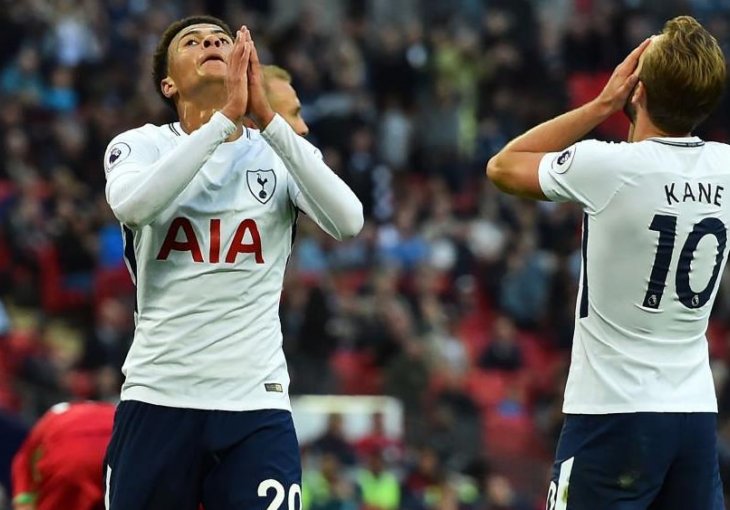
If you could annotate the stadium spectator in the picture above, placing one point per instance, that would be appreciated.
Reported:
(22, 79)
(379, 488)
(333, 441)
(327, 488)
(503, 351)
(421, 479)
(378, 439)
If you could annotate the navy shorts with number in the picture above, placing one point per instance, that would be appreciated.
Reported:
(637, 461)
(165, 458)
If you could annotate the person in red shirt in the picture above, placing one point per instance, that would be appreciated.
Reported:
(378, 440)
(60, 464)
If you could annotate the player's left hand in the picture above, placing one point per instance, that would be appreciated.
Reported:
(621, 83)
(259, 109)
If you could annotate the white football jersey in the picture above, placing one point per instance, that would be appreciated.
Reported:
(208, 267)
(654, 246)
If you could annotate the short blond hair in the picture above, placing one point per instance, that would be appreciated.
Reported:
(272, 72)
(684, 75)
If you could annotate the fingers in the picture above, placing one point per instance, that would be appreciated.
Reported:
(628, 87)
(246, 42)
(254, 56)
(235, 57)
(632, 59)
(254, 69)
(237, 76)
(242, 37)
(636, 52)
(241, 52)
(245, 58)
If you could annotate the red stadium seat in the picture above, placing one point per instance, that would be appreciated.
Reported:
(356, 373)
(472, 331)
(487, 387)
(112, 283)
(510, 435)
(54, 296)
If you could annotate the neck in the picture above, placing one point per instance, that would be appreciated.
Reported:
(643, 128)
(193, 112)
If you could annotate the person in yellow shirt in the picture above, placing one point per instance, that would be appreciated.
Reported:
(379, 487)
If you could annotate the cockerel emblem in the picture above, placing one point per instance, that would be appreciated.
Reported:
(261, 184)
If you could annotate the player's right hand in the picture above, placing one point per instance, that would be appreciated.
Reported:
(237, 78)
(614, 95)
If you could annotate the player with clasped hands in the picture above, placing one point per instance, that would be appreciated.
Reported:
(208, 208)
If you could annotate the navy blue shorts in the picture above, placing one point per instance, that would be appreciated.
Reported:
(637, 461)
(166, 458)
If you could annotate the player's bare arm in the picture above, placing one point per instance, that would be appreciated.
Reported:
(514, 169)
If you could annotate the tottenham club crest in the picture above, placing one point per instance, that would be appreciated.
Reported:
(261, 184)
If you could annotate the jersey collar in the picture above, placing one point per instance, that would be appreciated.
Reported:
(683, 141)
(178, 131)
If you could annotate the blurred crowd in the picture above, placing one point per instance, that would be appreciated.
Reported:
(456, 299)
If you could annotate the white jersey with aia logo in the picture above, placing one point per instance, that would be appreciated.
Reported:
(209, 264)
(654, 247)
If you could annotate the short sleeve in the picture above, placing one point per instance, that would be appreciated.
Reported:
(589, 173)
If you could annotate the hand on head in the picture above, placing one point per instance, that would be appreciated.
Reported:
(621, 84)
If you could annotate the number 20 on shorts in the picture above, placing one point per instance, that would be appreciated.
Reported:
(294, 498)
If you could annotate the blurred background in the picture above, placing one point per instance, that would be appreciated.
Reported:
(452, 312)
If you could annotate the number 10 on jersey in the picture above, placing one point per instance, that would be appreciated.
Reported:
(667, 228)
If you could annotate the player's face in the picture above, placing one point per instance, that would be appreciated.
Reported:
(198, 53)
(284, 101)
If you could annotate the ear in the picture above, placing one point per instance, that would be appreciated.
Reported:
(638, 96)
(168, 87)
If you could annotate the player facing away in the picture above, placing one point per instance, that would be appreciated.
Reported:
(208, 209)
(640, 406)
(59, 464)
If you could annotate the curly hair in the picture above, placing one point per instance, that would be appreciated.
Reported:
(159, 59)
